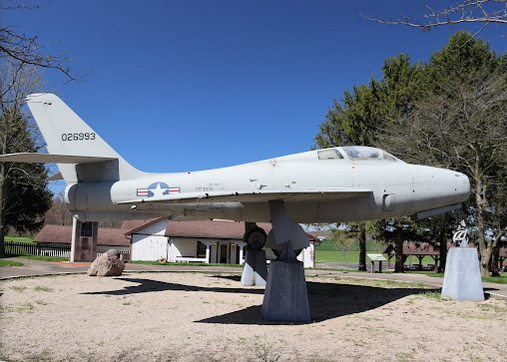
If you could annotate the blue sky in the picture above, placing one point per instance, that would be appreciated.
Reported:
(196, 84)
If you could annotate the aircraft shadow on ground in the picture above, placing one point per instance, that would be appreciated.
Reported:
(327, 300)
(148, 285)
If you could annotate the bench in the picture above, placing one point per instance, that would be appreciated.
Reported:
(190, 259)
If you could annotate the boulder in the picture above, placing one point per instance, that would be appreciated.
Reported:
(109, 264)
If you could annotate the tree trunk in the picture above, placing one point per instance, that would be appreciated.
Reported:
(443, 248)
(398, 266)
(494, 262)
(483, 247)
(2, 210)
(362, 247)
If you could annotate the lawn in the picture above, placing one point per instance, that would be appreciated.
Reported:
(500, 280)
(10, 263)
(328, 252)
(19, 239)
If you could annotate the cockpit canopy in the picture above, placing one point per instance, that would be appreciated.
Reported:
(356, 153)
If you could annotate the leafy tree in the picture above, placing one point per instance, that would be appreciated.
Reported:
(359, 116)
(24, 197)
(343, 239)
(447, 112)
(369, 109)
(461, 124)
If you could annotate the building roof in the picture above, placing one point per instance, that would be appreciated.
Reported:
(133, 226)
(216, 229)
(422, 248)
(416, 248)
(205, 229)
(59, 234)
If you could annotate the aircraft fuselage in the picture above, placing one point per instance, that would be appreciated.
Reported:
(355, 189)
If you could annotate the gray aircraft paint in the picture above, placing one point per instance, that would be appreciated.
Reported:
(337, 184)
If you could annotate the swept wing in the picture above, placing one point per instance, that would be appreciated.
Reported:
(254, 196)
(51, 158)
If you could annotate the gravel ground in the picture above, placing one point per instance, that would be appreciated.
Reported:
(206, 317)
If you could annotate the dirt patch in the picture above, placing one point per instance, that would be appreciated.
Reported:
(205, 317)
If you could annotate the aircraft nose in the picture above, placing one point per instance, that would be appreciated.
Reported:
(436, 187)
(456, 186)
(465, 186)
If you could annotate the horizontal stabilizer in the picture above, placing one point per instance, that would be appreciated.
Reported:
(52, 158)
(252, 196)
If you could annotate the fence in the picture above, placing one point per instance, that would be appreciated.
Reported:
(13, 248)
(46, 249)
(124, 255)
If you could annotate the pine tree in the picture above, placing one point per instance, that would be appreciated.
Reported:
(24, 195)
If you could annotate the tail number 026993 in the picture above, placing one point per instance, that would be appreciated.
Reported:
(82, 136)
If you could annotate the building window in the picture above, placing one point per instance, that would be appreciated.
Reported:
(201, 249)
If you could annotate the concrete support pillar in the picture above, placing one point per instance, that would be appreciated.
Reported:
(208, 251)
(462, 277)
(73, 241)
(241, 246)
(255, 270)
(286, 298)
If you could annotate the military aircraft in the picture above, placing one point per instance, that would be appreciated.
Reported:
(327, 185)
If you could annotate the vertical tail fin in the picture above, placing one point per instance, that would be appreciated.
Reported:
(67, 134)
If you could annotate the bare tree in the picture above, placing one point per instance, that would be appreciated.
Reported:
(59, 213)
(463, 126)
(483, 12)
(22, 49)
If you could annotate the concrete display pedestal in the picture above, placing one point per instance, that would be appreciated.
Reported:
(285, 298)
(462, 278)
(84, 241)
(255, 271)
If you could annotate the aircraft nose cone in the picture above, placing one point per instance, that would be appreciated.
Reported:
(465, 182)
(436, 187)
(459, 187)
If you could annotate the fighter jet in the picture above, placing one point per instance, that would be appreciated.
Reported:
(327, 185)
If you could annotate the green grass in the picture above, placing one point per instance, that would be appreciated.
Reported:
(19, 239)
(6, 263)
(328, 252)
(145, 262)
(500, 280)
(42, 258)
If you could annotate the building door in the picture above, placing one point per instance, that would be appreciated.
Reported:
(223, 254)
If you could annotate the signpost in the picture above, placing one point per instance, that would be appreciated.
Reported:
(376, 257)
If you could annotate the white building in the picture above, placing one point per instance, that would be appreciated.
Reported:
(207, 241)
